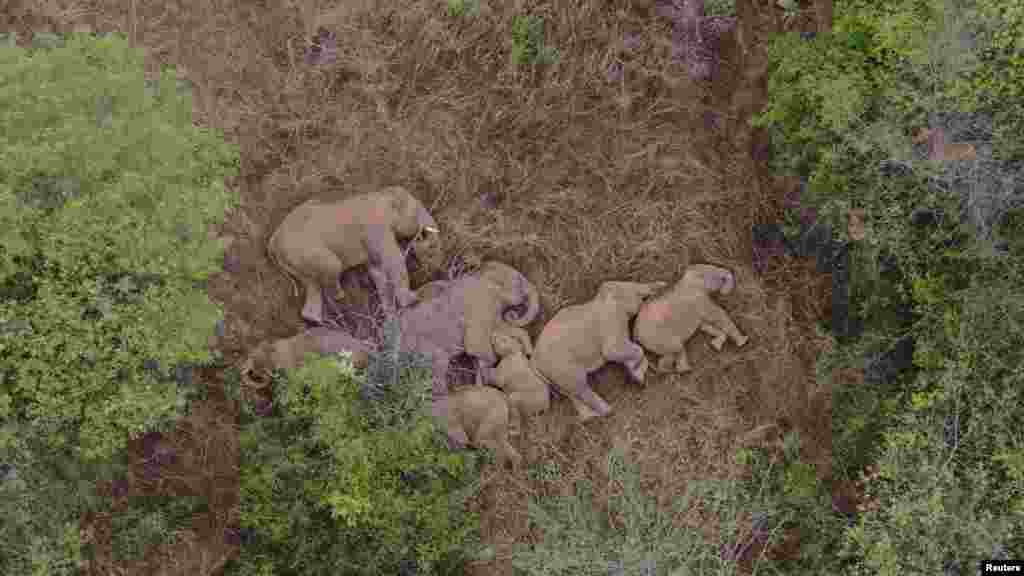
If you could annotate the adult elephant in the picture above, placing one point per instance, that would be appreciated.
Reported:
(317, 241)
(462, 315)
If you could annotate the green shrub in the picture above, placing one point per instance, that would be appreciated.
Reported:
(841, 109)
(463, 8)
(636, 536)
(334, 484)
(720, 8)
(528, 45)
(106, 194)
(105, 199)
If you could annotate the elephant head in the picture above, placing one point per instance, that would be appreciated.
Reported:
(514, 290)
(413, 221)
(629, 295)
(713, 278)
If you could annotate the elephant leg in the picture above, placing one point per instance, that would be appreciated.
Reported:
(719, 318)
(718, 337)
(387, 268)
(325, 270)
(484, 374)
(681, 363)
(630, 355)
(511, 455)
(457, 438)
(583, 411)
(312, 309)
(587, 402)
(515, 415)
(384, 289)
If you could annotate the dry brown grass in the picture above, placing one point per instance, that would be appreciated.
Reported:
(569, 178)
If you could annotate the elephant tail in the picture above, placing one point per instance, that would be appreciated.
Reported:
(288, 272)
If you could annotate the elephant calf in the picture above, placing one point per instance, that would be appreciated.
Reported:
(664, 324)
(478, 416)
(581, 339)
(289, 353)
(528, 393)
(318, 241)
(461, 315)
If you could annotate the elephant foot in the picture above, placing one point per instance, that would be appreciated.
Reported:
(314, 317)
(584, 412)
(406, 298)
(741, 341)
(666, 364)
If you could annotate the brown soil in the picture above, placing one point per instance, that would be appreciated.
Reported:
(570, 178)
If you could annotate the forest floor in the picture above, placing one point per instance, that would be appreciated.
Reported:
(570, 174)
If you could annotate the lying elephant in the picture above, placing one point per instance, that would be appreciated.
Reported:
(581, 339)
(317, 241)
(289, 353)
(479, 416)
(664, 324)
(528, 393)
(463, 314)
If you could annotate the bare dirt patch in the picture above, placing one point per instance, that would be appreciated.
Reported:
(570, 174)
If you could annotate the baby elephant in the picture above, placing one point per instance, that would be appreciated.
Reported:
(664, 324)
(527, 392)
(478, 415)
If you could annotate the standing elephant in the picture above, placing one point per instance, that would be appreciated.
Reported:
(463, 314)
(664, 324)
(581, 339)
(317, 241)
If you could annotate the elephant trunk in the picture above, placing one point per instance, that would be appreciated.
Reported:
(532, 307)
(426, 221)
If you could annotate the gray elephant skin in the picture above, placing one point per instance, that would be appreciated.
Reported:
(664, 324)
(317, 241)
(581, 339)
(461, 315)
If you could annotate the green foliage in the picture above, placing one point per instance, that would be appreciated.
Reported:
(42, 494)
(151, 520)
(106, 194)
(336, 485)
(947, 435)
(637, 536)
(463, 8)
(720, 8)
(528, 45)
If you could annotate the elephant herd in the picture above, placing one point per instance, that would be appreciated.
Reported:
(482, 315)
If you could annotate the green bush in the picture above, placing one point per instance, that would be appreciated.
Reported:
(335, 484)
(636, 536)
(842, 112)
(528, 45)
(106, 194)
